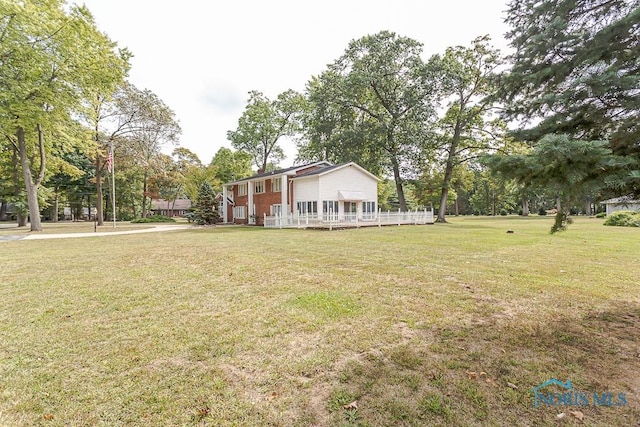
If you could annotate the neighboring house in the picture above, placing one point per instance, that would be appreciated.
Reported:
(8, 211)
(625, 203)
(320, 190)
(179, 207)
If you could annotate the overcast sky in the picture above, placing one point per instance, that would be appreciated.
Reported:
(202, 57)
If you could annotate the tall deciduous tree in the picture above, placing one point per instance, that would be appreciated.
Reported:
(468, 128)
(52, 55)
(264, 123)
(373, 105)
(154, 126)
(192, 172)
(576, 71)
(231, 165)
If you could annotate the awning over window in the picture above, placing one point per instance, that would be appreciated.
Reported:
(351, 195)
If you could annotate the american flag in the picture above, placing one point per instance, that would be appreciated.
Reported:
(110, 161)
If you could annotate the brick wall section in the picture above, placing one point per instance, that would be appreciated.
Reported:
(240, 201)
(262, 201)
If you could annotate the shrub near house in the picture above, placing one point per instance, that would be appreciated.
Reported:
(624, 219)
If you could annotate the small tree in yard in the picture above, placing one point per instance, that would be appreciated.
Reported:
(205, 212)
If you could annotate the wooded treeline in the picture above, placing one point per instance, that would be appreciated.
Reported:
(553, 124)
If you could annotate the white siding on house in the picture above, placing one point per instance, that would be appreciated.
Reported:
(305, 189)
(348, 178)
(613, 207)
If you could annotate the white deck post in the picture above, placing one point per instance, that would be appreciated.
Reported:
(224, 203)
(284, 194)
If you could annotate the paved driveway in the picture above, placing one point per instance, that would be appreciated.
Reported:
(38, 236)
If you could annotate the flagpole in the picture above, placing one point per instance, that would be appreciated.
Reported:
(113, 187)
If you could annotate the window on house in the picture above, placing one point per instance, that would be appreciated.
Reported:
(242, 189)
(330, 210)
(239, 212)
(368, 210)
(276, 185)
(258, 187)
(276, 210)
(307, 208)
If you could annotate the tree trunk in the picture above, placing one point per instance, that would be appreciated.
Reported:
(457, 207)
(31, 185)
(448, 171)
(100, 201)
(587, 207)
(494, 202)
(144, 195)
(54, 217)
(525, 206)
(442, 209)
(21, 218)
(3, 211)
(398, 181)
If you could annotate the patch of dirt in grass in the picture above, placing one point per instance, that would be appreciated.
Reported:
(319, 397)
(244, 381)
(483, 371)
(404, 330)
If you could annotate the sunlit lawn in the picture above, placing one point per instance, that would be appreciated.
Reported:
(448, 324)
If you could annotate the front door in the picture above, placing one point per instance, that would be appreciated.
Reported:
(350, 211)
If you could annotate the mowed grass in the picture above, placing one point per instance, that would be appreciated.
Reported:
(449, 324)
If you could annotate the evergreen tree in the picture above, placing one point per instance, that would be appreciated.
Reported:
(561, 164)
(205, 209)
(576, 71)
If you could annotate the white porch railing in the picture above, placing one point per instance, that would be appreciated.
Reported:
(349, 220)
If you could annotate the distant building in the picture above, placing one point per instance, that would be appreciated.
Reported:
(625, 203)
(170, 208)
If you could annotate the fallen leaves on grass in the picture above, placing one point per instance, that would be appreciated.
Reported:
(491, 382)
(579, 415)
(352, 405)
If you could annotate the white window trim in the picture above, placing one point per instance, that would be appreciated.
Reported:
(239, 212)
(276, 185)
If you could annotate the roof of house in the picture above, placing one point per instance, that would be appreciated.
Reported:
(277, 172)
(180, 204)
(620, 201)
(323, 171)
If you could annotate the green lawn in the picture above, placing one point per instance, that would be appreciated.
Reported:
(446, 324)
